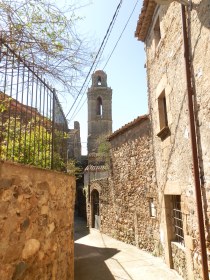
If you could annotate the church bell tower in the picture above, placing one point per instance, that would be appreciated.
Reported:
(99, 97)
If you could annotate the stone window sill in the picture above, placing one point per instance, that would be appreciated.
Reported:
(153, 217)
(164, 133)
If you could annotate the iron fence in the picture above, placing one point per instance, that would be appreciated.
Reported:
(33, 127)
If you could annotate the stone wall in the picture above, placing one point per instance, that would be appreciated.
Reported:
(179, 257)
(125, 196)
(36, 223)
(173, 164)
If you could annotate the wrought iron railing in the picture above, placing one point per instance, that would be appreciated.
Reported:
(33, 127)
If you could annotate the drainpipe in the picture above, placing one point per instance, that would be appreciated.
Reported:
(198, 192)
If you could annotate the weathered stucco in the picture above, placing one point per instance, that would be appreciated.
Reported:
(36, 223)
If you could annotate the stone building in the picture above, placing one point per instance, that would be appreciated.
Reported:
(160, 27)
(123, 203)
(129, 202)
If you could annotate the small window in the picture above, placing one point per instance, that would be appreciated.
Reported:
(157, 33)
(177, 219)
(163, 117)
(99, 108)
(152, 208)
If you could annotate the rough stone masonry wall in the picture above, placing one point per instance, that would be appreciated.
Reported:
(179, 257)
(125, 213)
(166, 71)
(36, 223)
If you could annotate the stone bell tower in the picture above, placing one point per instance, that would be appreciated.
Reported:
(99, 97)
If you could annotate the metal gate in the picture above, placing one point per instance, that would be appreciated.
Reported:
(33, 127)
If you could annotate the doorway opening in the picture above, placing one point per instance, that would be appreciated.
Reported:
(95, 209)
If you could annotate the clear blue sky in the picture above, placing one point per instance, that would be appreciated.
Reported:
(126, 74)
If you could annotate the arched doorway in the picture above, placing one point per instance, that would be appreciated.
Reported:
(95, 209)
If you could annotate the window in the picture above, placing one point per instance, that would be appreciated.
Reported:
(163, 118)
(177, 219)
(152, 208)
(157, 33)
(99, 109)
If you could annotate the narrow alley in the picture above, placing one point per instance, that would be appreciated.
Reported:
(99, 257)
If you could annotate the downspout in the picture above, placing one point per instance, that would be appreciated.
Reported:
(198, 194)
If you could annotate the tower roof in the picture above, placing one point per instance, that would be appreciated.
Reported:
(99, 79)
(99, 72)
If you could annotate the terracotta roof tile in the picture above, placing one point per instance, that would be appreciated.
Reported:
(128, 126)
(145, 19)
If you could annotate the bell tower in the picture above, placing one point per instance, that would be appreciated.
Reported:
(99, 97)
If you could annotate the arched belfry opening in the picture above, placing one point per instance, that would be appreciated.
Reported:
(99, 107)
(99, 80)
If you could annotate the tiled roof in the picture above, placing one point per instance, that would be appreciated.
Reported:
(96, 168)
(128, 126)
(145, 19)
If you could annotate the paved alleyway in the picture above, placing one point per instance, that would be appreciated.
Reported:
(99, 257)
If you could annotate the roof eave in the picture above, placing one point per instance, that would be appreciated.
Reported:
(145, 19)
(128, 126)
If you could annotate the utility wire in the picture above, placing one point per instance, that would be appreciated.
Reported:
(121, 34)
(75, 113)
(104, 39)
(101, 52)
(117, 12)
